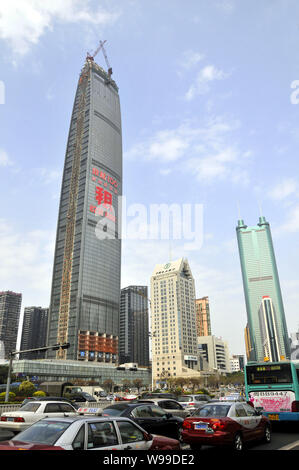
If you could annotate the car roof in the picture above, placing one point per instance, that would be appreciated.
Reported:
(71, 419)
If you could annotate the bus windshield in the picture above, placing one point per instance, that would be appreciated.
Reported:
(269, 374)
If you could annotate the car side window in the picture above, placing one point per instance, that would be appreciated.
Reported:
(129, 432)
(250, 411)
(101, 434)
(142, 412)
(78, 442)
(66, 408)
(240, 411)
(170, 405)
(52, 408)
(157, 412)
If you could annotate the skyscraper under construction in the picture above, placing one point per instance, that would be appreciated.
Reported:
(84, 307)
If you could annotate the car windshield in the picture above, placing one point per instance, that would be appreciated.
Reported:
(185, 399)
(114, 411)
(201, 398)
(31, 406)
(43, 432)
(213, 410)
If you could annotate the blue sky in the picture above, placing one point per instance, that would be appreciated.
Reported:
(207, 118)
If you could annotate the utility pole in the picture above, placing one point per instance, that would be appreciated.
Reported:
(12, 354)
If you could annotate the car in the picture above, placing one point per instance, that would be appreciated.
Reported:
(146, 395)
(149, 416)
(191, 401)
(33, 411)
(88, 433)
(168, 405)
(82, 397)
(66, 400)
(225, 424)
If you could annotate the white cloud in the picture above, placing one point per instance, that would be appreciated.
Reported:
(285, 188)
(208, 150)
(26, 260)
(291, 225)
(4, 158)
(22, 23)
(190, 59)
(205, 76)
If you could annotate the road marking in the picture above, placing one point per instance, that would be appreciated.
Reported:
(290, 446)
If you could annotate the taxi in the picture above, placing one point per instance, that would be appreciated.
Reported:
(225, 423)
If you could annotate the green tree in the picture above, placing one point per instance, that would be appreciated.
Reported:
(26, 388)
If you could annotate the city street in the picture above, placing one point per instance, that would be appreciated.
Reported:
(284, 437)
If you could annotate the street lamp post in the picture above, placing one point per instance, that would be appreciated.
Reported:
(12, 354)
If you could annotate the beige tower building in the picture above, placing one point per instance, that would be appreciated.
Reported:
(173, 322)
(203, 323)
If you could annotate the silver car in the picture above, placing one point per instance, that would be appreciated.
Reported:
(88, 433)
(169, 405)
(190, 402)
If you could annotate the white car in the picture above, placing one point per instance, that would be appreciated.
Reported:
(33, 411)
(88, 433)
(193, 401)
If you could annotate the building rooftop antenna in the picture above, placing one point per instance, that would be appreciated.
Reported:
(92, 56)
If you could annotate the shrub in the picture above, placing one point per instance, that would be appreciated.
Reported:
(39, 393)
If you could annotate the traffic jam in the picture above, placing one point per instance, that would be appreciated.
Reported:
(151, 423)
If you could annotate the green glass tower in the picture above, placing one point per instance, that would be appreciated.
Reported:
(260, 279)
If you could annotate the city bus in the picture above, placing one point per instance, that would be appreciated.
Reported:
(273, 389)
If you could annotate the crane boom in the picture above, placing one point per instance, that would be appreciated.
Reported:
(101, 46)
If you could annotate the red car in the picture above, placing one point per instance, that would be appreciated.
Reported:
(225, 423)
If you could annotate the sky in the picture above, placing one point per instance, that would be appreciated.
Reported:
(209, 119)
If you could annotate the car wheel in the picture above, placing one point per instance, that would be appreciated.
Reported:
(267, 435)
(238, 442)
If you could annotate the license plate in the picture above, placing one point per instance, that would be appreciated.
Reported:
(273, 417)
(201, 426)
(9, 419)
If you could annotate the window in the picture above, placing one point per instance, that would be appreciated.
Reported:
(101, 434)
(78, 443)
(250, 411)
(129, 432)
(170, 405)
(157, 412)
(240, 411)
(142, 412)
(31, 407)
(66, 408)
(52, 408)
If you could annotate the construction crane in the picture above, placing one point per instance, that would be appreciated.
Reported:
(92, 56)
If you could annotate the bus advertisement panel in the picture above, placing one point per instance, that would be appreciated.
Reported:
(273, 389)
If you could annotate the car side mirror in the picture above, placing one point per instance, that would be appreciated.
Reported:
(147, 437)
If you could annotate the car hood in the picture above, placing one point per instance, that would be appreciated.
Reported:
(19, 445)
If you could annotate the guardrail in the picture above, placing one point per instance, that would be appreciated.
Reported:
(98, 404)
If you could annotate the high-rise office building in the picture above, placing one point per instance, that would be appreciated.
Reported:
(173, 322)
(84, 306)
(34, 331)
(203, 321)
(134, 325)
(10, 308)
(260, 279)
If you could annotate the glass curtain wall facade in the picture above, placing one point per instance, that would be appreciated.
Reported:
(84, 307)
(260, 279)
(134, 326)
(10, 309)
(34, 331)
